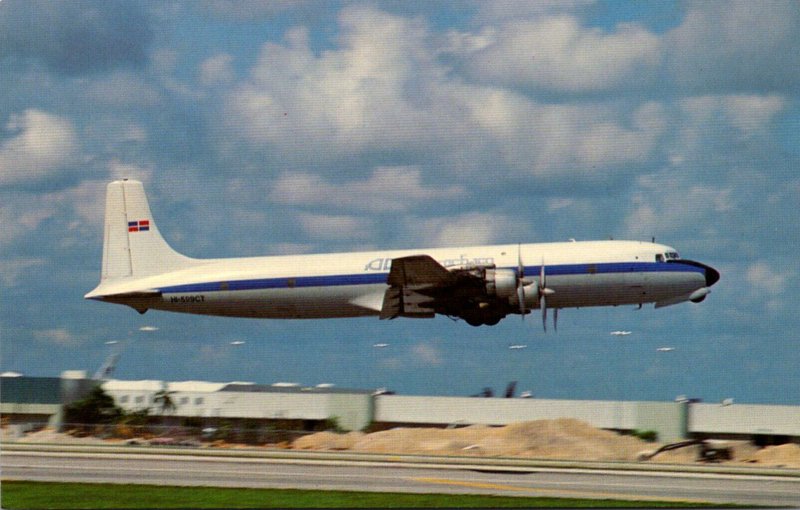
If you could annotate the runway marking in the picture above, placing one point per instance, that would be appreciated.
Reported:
(554, 492)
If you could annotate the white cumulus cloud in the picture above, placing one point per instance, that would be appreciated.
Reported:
(41, 145)
(323, 226)
(61, 337)
(426, 354)
(217, 70)
(388, 189)
(13, 269)
(736, 45)
(559, 54)
(474, 228)
(762, 276)
(386, 88)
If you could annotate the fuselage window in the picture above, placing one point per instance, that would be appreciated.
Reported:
(659, 257)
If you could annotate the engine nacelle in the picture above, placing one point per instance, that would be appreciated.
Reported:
(501, 283)
(531, 295)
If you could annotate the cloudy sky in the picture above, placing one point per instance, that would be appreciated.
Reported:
(284, 127)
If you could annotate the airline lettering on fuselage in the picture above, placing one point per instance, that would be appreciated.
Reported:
(385, 264)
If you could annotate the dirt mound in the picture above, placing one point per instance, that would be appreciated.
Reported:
(785, 455)
(545, 439)
(562, 439)
(50, 436)
(328, 441)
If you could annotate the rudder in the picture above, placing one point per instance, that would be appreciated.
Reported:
(132, 244)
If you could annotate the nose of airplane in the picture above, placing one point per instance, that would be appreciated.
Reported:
(712, 275)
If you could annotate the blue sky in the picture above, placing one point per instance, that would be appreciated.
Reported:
(284, 127)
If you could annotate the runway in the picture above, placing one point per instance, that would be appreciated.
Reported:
(319, 474)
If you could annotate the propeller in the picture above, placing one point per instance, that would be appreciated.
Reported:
(523, 308)
(523, 284)
(543, 293)
(541, 289)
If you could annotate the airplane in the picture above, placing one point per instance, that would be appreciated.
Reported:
(380, 345)
(517, 346)
(665, 349)
(479, 284)
(237, 342)
(620, 333)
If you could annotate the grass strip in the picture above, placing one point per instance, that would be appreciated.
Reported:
(55, 495)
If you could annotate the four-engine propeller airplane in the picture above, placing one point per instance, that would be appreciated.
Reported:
(479, 284)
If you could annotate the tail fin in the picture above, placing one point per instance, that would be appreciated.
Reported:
(132, 245)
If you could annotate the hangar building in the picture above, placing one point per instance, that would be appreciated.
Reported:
(41, 399)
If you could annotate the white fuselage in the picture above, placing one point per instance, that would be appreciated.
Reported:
(481, 284)
(581, 274)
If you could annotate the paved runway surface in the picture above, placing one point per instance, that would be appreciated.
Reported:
(394, 477)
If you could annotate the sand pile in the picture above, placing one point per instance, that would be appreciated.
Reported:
(566, 439)
(50, 436)
(544, 439)
(785, 455)
(328, 441)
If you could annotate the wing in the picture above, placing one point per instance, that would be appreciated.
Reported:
(419, 270)
(413, 281)
(421, 287)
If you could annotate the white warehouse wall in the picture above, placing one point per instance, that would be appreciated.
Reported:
(666, 418)
(501, 411)
(749, 419)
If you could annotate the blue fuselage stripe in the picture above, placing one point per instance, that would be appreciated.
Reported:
(380, 278)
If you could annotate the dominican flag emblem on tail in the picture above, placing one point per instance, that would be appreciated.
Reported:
(139, 226)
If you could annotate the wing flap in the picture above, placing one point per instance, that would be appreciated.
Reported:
(411, 280)
(392, 303)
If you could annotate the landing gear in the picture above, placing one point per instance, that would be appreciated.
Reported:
(482, 319)
(474, 321)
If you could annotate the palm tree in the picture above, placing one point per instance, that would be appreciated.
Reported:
(164, 398)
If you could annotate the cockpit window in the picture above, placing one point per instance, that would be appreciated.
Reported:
(672, 255)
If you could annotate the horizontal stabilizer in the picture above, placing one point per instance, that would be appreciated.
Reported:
(128, 295)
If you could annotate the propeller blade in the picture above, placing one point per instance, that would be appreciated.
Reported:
(543, 306)
(555, 319)
(542, 283)
(521, 283)
(542, 294)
